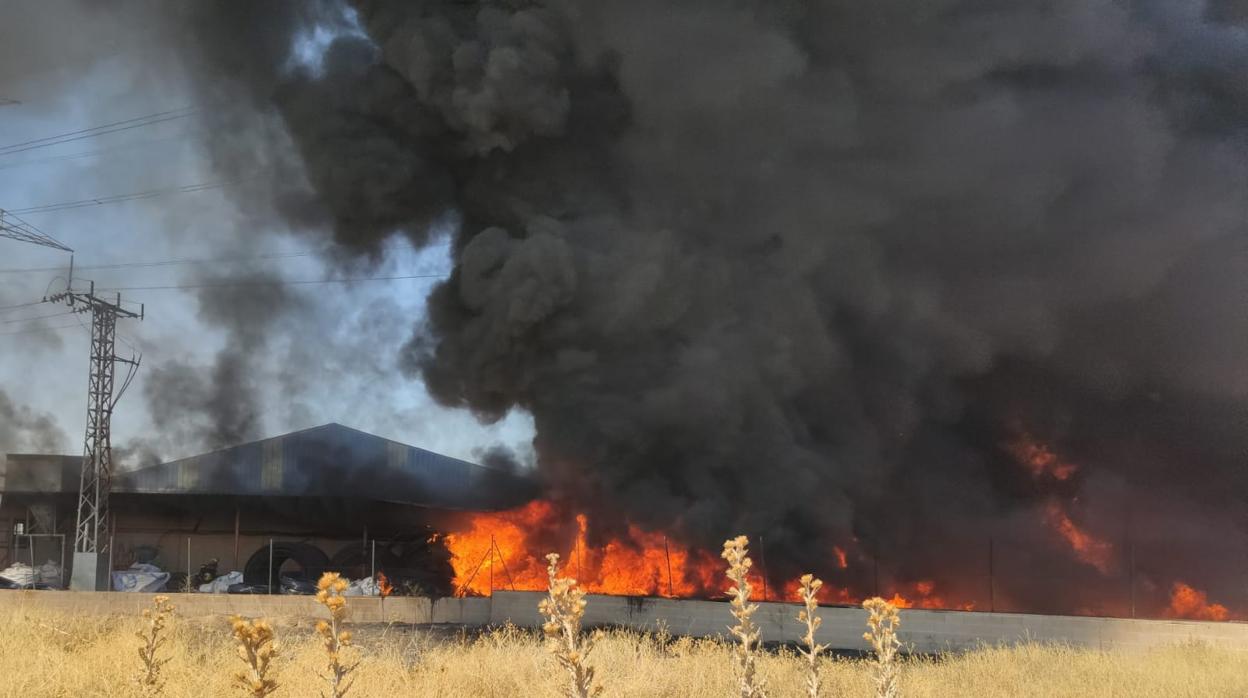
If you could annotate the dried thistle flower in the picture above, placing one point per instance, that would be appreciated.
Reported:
(329, 593)
(812, 649)
(563, 609)
(739, 563)
(882, 627)
(157, 616)
(257, 648)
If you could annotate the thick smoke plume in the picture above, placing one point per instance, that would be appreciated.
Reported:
(795, 268)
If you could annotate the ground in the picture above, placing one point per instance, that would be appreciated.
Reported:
(57, 655)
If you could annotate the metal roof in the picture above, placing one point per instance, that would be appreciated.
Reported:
(326, 461)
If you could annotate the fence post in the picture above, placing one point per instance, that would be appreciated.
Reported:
(762, 554)
(668, 555)
(373, 561)
(875, 572)
(270, 565)
(1131, 573)
(992, 586)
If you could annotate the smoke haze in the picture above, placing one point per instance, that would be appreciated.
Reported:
(796, 268)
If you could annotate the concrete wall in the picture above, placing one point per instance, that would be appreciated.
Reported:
(842, 628)
(922, 631)
(469, 611)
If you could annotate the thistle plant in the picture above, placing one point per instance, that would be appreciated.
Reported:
(812, 649)
(563, 609)
(257, 648)
(739, 563)
(882, 627)
(329, 593)
(155, 618)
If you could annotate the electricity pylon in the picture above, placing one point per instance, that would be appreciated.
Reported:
(91, 536)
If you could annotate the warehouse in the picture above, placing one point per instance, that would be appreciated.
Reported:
(329, 497)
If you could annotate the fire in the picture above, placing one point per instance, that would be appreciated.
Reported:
(1089, 549)
(840, 557)
(828, 594)
(922, 594)
(1193, 604)
(505, 550)
(383, 585)
(1040, 460)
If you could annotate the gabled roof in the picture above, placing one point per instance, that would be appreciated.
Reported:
(329, 461)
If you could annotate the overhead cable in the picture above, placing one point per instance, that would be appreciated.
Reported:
(97, 151)
(29, 330)
(165, 262)
(294, 282)
(103, 129)
(37, 317)
(100, 201)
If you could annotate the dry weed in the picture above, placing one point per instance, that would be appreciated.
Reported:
(882, 627)
(155, 618)
(808, 615)
(256, 647)
(563, 609)
(329, 593)
(746, 632)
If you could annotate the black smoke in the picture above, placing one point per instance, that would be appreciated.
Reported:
(791, 268)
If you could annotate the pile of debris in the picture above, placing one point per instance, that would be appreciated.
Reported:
(19, 575)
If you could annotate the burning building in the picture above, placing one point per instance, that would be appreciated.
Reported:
(938, 300)
(328, 498)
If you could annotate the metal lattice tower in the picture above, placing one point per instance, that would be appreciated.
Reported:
(91, 534)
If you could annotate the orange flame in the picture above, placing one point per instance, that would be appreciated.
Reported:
(383, 585)
(922, 594)
(840, 557)
(1188, 602)
(1089, 549)
(500, 548)
(1040, 460)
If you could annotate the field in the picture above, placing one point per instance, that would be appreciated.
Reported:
(51, 655)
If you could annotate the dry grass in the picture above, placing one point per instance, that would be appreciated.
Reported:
(563, 608)
(257, 646)
(749, 684)
(81, 656)
(809, 616)
(882, 624)
(330, 593)
(154, 620)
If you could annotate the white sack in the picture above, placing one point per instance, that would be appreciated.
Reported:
(221, 584)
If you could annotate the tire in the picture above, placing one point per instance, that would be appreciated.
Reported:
(309, 557)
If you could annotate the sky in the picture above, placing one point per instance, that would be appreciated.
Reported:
(44, 350)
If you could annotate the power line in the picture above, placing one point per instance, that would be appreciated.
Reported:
(165, 262)
(36, 317)
(13, 227)
(55, 328)
(118, 198)
(297, 282)
(98, 151)
(22, 305)
(103, 129)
